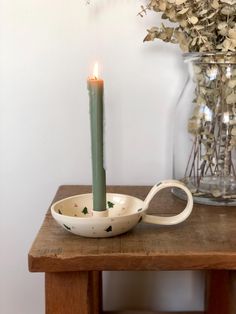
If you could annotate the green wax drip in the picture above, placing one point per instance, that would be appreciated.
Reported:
(96, 124)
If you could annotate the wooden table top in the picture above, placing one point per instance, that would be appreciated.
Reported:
(206, 240)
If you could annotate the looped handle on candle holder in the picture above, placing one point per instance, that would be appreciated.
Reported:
(173, 219)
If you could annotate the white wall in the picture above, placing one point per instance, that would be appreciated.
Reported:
(47, 49)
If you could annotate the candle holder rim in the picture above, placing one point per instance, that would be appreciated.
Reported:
(86, 218)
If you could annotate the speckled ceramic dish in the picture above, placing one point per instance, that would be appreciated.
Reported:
(75, 213)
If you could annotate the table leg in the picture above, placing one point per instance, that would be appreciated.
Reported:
(232, 303)
(221, 292)
(73, 292)
(217, 292)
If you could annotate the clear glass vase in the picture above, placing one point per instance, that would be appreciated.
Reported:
(205, 129)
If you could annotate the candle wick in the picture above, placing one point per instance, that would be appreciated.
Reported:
(95, 78)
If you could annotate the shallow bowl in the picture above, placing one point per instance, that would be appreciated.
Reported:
(123, 212)
(75, 214)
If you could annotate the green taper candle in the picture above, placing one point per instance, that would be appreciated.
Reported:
(95, 87)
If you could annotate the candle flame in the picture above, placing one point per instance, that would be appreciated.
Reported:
(95, 71)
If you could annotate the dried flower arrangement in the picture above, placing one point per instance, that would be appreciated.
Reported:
(207, 27)
(201, 25)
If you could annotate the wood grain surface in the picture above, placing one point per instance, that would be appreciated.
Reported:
(72, 292)
(206, 240)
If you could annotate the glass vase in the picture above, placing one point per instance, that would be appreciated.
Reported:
(205, 129)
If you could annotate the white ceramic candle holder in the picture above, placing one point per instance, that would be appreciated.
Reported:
(75, 213)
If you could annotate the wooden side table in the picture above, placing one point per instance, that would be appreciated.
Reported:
(73, 265)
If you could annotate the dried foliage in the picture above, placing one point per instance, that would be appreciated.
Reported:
(207, 28)
(199, 25)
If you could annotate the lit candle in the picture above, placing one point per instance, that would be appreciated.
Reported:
(95, 87)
